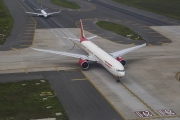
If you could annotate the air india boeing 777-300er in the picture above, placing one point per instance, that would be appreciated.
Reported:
(113, 62)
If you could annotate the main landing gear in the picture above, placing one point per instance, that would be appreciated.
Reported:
(118, 79)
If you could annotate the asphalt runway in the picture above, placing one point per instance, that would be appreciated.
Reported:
(79, 98)
(137, 20)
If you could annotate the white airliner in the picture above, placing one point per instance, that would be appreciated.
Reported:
(110, 61)
(43, 13)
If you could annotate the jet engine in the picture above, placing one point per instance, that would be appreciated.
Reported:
(84, 64)
(121, 60)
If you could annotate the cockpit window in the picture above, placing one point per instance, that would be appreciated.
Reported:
(120, 70)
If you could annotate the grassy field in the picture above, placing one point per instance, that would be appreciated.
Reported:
(170, 8)
(24, 101)
(6, 22)
(119, 29)
(66, 4)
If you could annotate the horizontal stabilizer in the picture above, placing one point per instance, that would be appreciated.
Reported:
(54, 12)
(72, 38)
(89, 38)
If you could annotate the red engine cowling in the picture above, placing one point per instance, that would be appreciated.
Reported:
(84, 64)
(121, 60)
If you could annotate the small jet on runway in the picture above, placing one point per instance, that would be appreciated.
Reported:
(43, 13)
(110, 61)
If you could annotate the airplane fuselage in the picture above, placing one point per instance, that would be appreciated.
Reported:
(105, 59)
(44, 13)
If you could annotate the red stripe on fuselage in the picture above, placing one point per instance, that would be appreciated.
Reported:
(83, 39)
(108, 64)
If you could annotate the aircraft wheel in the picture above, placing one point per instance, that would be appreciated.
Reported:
(118, 80)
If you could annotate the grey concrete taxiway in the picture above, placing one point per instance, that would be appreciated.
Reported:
(149, 86)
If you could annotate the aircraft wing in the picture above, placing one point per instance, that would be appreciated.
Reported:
(34, 13)
(125, 51)
(85, 57)
(54, 12)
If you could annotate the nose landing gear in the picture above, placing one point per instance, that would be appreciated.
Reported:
(118, 79)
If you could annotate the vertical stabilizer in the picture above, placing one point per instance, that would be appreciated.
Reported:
(82, 30)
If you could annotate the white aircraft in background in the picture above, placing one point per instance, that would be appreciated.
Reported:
(110, 61)
(43, 13)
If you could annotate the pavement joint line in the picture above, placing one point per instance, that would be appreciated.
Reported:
(136, 24)
(26, 36)
(25, 45)
(29, 24)
(71, 70)
(144, 26)
(102, 95)
(147, 29)
(56, 68)
(29, 27)
(117, 41)
(72, 47)
(80, 79)
(26, 40)
(29, 30)
(129, 22)
(152, 32)
(28, 33)
(99, 34)
(130, 91)
(25, 69)
(91, 30)
(158, 36)
(108, 37)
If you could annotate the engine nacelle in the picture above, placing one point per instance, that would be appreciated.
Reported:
(121, 60)
(84, 64)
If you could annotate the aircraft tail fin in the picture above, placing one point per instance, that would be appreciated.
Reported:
(82, 30)
(82, 38)
(72, 38)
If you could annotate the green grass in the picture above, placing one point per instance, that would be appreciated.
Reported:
(119, 29)
(169, 8)
(23, 102)
(6, 22)
(66, 4)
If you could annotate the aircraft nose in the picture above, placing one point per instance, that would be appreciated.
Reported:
(123, 73)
